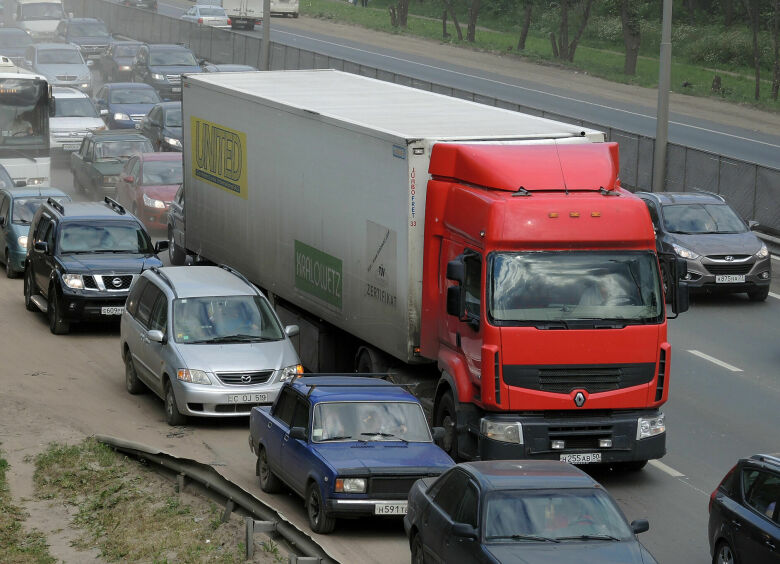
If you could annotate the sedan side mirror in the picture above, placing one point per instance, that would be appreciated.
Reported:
(292, 330)
(156, 336)
(298, 433)
(640, 526)
(464, 530)
(160, 246)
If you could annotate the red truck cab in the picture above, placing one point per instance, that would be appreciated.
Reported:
(543, 305)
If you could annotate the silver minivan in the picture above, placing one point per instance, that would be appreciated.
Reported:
(206, 341)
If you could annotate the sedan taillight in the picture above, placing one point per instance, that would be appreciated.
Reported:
(200, 20)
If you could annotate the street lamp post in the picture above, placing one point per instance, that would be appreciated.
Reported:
(664, 84)
(265, 47)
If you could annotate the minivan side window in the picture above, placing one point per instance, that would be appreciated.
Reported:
(135, 295)
(159, 318)
(146, 303)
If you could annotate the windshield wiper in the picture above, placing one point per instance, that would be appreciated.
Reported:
(239, 338)
(523, 537)
(341, 438)
(386, 435)
(557, 324)
(590, 537)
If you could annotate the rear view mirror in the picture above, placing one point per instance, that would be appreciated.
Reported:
(2, 221)
(41, 246)
(438, 434)
(455, 302)
(464, 530)
(640, 526)
(752, 224)
(103, 112)
(129, 179)
(681, 296)
(160, 246)
(156, 336)
(292, 330)
(298, 433)
(456, 270)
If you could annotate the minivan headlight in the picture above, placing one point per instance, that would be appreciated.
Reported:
(504, 431)
(650, 426)
(763, 252)
(193, 376)
(683, 252)
(22, 240)
(291, 372)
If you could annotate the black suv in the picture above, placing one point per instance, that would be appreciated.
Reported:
(744, 524)
(90, 34)
(161, 66)
(82, 260)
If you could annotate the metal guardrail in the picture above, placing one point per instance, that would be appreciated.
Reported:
(751, 189)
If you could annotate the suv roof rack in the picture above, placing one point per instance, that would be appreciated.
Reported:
(164, 278)
(718, 196)
(232, 270)
(56, 205)
(114, 205)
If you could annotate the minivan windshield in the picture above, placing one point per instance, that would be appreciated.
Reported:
(369, 421)
(224, 319)
(702, 218)
(25, 208)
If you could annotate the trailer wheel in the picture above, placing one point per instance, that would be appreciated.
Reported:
(444, 416)
(370, 361)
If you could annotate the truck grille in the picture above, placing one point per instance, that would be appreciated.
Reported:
(562, 379)
(244, 378)
(580, 436)
(728, 268)
(393, 487)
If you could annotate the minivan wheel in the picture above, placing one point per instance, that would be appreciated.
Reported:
(724, 554)
(29, 290)
(132, 383)
(172, 415)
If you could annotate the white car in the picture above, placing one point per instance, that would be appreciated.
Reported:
(74, 117)
(207, 15)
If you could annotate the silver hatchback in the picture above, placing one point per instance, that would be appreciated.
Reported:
(206, 341)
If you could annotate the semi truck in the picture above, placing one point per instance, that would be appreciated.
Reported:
(488, 257)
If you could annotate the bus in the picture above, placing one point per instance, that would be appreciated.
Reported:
(25, 106)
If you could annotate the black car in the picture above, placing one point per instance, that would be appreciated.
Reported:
(13, 42)
(82, 259)
(722, 253)
(148, 4)
(744, 526)
(522, 511)
(116, 64)
(90, 34)
(162, 125)
(161, 66)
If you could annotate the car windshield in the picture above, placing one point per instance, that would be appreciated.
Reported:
(369, 421)
(702, 218)
(162, 172)
(224, 319)
(211, 11)
(560, 287)
(560, 515)
(14, 38)
(59, 57)
(42, 11)
(172, 58)
(133, 96)
(88, 29)
(74, 107)
(25, 208)
(108, 237)
(5, 179)
(121, 149)
(126, 50)
(173, 118)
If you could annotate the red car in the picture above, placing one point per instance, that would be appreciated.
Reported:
(147, 186)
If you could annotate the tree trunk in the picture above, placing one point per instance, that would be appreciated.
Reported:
(554, 45)
(563, 32)
(776, 49)
(453, 15)
(690, 5)
(444, 33)
(752, 7)
(629, 15)
(585, 16)
(527, 8)
(471, 32)
(403, 12)
(728, 12)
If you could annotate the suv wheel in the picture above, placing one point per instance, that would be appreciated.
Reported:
(57, 324)
(177, 256)
(132, 383)
(29, 289)
(724, 554)
(172, 415)
(759, 295)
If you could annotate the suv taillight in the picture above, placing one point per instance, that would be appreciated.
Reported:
(200, 20)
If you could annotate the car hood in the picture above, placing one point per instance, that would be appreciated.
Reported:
(50, 71)
(19, 229)
(74, 123)
(603, 552)
(719, 243)
(238, 357)
(109, 168)
(174, 69)
(90, 40)
(108, 263)
(14, 52)
(376, 455)
(164, 192)
(130, 108)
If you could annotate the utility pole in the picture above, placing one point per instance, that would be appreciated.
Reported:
(265, 47)
(9, 13)
(664, 84)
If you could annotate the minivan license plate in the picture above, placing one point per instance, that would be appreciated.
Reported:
(582, 458)
(390, 508)
(729, 278)
(112, 310)
(247, 398)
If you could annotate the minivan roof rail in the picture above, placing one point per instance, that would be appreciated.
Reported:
(241, 276)
(164, 278)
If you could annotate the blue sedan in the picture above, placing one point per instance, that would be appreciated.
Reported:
(17, 208)
(124, 104)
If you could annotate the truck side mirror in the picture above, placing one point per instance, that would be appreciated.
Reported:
(52, 107)
(456, 302)
(438, 434)
(680, 291)
(456, 270)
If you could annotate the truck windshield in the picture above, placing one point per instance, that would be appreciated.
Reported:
(533, 287)
(224, 319)
(369, 421)
(23, 112)
(42, 11)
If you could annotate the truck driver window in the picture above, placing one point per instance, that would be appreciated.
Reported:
(472, 284)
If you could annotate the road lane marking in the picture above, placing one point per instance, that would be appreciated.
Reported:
(775, 296)
(714, 360)
(667, 469)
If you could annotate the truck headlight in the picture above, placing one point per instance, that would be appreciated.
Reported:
(291, 372)
(350, 485)
(763, 252)
(650, 426)
(152, 203)
(504, 431)
(172, 141)
(22, 240)
(193, 376)
(119, 116)
(156, 76)
(683, 252)
(73, 281)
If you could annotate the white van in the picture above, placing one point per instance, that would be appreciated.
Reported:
(39, 17)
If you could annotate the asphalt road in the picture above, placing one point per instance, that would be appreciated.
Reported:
(718, 132)
(721, 408)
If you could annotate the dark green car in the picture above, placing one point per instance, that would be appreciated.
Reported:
(101, 157)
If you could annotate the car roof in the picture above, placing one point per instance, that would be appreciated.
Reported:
(166, 46)
(116, 135)
(666, 198)
(26, 192)
(47, 46)
(15, 30)
(128, 85)
(199, 281)
(66, 92)
(139, 43)
(162, 156)
(91, 210)
(528, 474)
(350, 388)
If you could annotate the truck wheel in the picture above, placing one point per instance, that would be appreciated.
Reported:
(759, 295)
(132, 383)
(57, 325)
(269, 483)
(172, 415)
(444, 416)
(176, 255)
(295, 15)
(370, 361)
(319, 520)
(29, 289)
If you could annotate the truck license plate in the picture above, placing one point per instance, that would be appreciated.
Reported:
(729, 278)
(247, 398)
(582, 458)
(112, 310)
(390, 508)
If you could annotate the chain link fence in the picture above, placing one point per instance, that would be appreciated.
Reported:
(751, 189)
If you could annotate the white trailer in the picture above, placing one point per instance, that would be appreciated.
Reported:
(312, 183)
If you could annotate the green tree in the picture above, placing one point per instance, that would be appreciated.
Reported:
(562, 48)
(632, 36)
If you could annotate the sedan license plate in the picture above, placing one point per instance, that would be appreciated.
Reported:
(390, 508)
(247, 398)
(729, 278)
(71, 146)
(112, 310)
(583, 458)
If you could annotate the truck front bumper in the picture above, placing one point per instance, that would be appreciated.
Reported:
(585, 434)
